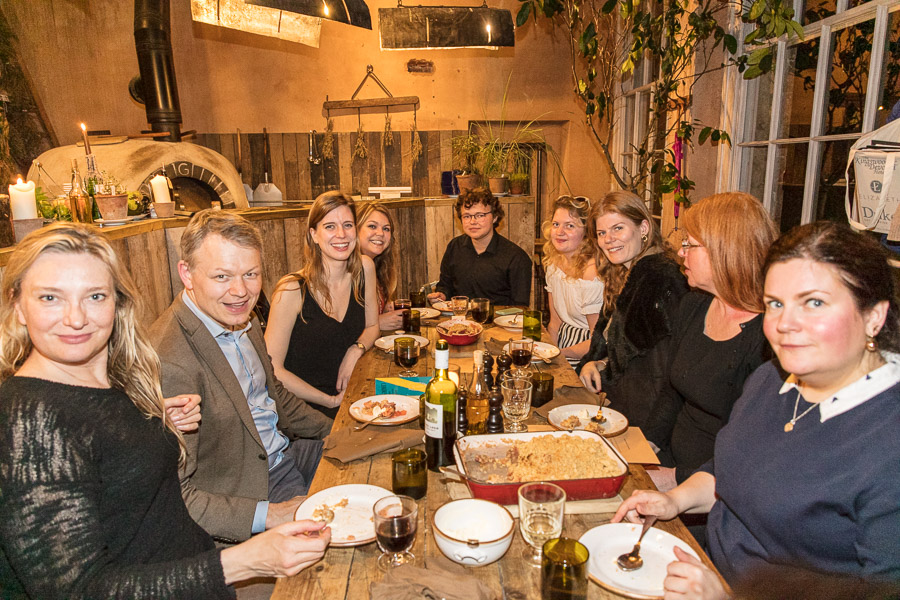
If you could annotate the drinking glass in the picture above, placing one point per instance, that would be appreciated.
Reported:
(564, 570)
(396, 519)
(418, 299)
(543, 388)
(541, 506)
(412, 322)
(409, 475)
(460, 306)
(516, 402)
(481, 310)
(402, 303)
(406, 355)
(531, 324)
(521, 351)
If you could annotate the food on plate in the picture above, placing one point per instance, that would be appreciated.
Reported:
(595, 427)
(541, 458)
(572, 422)
(583, 419)
(382, 408)
(325, 512)
(459, 328)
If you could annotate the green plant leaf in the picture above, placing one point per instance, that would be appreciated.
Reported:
(730, 43)
(524, 13)
(704, 133)
(608, 7)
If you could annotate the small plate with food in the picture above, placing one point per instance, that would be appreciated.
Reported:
(348, 511)
(386, 409)
(386, 343)
(511, 323)
(443, 306)
(459, 333)
(541, 351)
(428, 313)
(578, 416)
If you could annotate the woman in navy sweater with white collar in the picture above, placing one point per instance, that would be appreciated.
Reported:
(806, 474)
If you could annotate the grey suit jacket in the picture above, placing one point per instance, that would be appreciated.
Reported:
(226, 472)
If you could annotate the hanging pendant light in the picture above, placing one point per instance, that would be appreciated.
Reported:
(435, 27)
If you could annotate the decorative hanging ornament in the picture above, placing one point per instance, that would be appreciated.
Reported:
(416, 149)
(360, 150)
(388, 134)
(328, 142)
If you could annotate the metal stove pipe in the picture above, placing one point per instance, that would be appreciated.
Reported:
(154, 52)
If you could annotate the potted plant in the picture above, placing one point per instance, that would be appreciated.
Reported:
(518, 183)
(495, 162)
(466, 153)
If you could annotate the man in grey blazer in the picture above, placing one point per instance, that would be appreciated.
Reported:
(257, 446)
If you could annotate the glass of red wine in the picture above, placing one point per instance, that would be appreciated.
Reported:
(402, 303)
(521, 351)
(396, 519)
(406, 355)
(481, 310)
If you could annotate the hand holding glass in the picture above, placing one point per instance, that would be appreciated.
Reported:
(541, 507)
(396, 520)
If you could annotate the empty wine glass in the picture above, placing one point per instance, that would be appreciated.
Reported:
(460, 306)
(541, 508)
(396, 520)
(516, 402)
(406, 355)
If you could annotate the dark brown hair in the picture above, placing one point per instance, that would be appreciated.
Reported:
(860, 261)
(480, 195)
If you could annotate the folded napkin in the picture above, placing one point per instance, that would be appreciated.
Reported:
(568, 395)
(441, 579)
(347, 445)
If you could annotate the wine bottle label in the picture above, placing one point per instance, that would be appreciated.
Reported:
(434, 420)
(441, 359)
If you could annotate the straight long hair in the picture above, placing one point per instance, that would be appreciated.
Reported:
(736, 231)
(311, 276)
(578, 209)
(132, 363)
(632, 208)
(385, 266)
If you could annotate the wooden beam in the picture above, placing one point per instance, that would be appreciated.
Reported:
(371, 102)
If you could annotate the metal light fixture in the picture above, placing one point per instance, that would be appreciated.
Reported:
(407, 27)
(351, 12)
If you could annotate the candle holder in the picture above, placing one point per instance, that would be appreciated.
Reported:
(22, 227)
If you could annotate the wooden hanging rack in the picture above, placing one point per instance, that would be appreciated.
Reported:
(390, 100)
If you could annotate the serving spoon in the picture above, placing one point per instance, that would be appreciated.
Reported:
(632, 561)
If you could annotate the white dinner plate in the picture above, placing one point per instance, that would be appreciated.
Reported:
(428, 313)
(541, 351)
(615, 423)
(386, 343)
(607, 542)
(352, 505)
(443, 306)
(108, 222)
(409, 404)
(510, 322)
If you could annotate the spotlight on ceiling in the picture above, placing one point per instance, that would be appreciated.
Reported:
(435, 27)
(351, 12)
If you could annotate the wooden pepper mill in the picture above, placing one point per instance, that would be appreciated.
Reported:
(495, 411)
(489, 368)
(462, 422)
(504, 363)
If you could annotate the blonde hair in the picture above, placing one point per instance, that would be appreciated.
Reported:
(312, 276)
(385, 267)
(578, 209)
(736, 231)
(230, 226)
(132, 365)
(632, 208)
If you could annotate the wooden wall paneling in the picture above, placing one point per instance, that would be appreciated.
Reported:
(405, 141)
(227, 143)
(399, 242)
(331, 168)
(420, 168)
(173, 251)
(246, 160)
(291, 187)
(212, 142)
(418, 261)
(439, 230)
(343, 151)
(446, 151)
(359, 175)
(434, 164)
(275, 263)
(316, 172)
(503, 227)
(375, 159)
(392, 162)
(294, 236)
(304, 176)
(146, 257)
(276, 151)
(521, 232)
(257, 144)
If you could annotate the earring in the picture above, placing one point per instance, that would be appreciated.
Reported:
(871, 344)
(644, 237)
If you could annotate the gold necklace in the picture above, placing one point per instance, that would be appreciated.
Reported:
(789, 426)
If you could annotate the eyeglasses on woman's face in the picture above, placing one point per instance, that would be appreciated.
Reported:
(475, 216)
(686, 246)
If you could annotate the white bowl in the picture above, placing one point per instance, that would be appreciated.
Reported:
(473, 531)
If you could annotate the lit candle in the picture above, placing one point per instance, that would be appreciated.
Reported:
(159, 185)
(87, 145)
(22, 200)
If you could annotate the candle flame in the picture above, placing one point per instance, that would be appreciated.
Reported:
(325, 6)
(83, 128)
(19, 181)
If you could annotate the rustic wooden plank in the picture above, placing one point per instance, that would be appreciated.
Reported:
(291, 171)
(257, 158)
(446, 150)
(316, 172)
(294, 235)
(330, 168)
(420, 168)
(439, 230)
(434, 164)
(343, 151)
(276, 152)
(227, 143)
(173, 248)
(371, 102)
(405, 139)
(304, 176)
(376, 175)
(418, 265)
(359, 168)
(275, 263)
(146, 257)
(392, 163)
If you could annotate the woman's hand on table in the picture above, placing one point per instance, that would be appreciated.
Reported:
(353, 354)
(646, 502)
(590, 375)
(280, 552)
(390, 320)
(689, 579)
(184, 410)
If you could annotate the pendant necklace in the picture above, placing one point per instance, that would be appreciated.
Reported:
(789, 426)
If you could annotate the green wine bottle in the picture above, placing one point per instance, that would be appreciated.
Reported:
(440, 411)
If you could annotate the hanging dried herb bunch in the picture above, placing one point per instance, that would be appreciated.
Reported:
(328, 142)
(388, 138)
(360, 150)
(416, 149)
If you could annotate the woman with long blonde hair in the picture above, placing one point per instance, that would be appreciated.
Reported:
(376, 240)
(643, 286)
(91, 504)
(574, 289)
(325, 316)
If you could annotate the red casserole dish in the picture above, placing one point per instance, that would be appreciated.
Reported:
(506, 493)
(459, 340)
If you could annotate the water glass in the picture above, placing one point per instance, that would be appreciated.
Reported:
(409, 476)
(418, 299)
(541, 507)
(406, 355)
(396, 520)
(564, 569)
(460, 306)
(531, 324)
(412, 323)
(516, 402)
(542, 393)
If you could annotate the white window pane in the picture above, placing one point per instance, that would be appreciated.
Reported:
(754, 176)
(816, 10)
(759, 115)
(799, 87)
(832, 185)
(845, 98)
(790, 175)
(890, 78)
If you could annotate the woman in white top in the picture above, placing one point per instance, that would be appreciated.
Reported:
(574, 289)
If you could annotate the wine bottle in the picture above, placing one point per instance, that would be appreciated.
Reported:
(78, 202)
(440, 411)
(477, 401)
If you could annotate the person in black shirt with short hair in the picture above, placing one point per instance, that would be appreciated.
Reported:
(481, 263)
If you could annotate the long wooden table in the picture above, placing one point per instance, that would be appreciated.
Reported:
(347, 572)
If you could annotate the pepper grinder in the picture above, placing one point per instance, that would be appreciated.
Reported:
(462, 421)
(504, 363)
(495, 411)
(489, 368)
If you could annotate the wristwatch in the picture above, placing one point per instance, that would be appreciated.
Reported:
(361, 346)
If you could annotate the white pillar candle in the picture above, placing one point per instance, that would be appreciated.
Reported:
(22, 200)
(160, 187)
